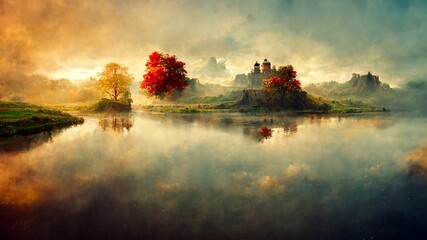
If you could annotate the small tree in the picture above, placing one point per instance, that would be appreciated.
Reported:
(164, 75)
(127, 98)
(115, 81)
(285, 83)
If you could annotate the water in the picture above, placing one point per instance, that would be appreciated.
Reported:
(213, 176)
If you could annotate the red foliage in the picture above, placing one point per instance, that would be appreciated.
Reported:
(164, 75)
(266, 132)
(286, 82)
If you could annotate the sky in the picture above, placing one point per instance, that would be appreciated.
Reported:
(325, 40)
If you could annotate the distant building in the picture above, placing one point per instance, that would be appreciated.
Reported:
(266, 66)
(258, 74)
(256, 68)
(255, 78)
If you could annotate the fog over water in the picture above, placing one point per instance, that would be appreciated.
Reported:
(211, 176)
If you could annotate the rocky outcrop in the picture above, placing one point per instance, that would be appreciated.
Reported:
(262, 98)
(253, 97)
(364, 84)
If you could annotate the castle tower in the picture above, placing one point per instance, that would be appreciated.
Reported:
(256, 68)
(266, 66)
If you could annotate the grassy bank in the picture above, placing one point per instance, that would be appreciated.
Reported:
(352, 106)
(180, 108)
(230, 107)
(21, 118)
(107, 105)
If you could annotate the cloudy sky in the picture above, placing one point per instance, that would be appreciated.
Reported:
(325, 39)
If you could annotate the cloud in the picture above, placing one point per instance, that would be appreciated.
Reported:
(213, 68)
(381, 36)
(325, 40)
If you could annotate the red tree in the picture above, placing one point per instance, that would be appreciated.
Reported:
(285, 83)
(164, 75)
(266, 132)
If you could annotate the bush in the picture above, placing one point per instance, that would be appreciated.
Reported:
(107, 105)
(325, 107)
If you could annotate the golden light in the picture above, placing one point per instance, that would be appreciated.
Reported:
(78, 73)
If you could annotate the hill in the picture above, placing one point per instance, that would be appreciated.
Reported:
(359, 86)
(367, 88)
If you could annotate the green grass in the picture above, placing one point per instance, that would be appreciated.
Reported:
(345, 105)
(21, 118)
(228, 97)
(227, 103)
(320, 107)
(352, 106)
(107, 105)
(180, 108)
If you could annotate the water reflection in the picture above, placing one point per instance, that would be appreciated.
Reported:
(116, 123)
(280, 127)
(27, 142)
(290, 126)
(266, 132)
(195, 178)
(417, 162)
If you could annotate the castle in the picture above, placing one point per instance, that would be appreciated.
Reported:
(257, 75)
(266, 67)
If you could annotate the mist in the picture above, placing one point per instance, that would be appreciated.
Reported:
(214, 175)
(43, 90)
(207, 170)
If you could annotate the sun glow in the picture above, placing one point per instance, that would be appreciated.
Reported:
(78, 73)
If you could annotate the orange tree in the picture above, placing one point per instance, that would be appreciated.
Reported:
(164, 74)
(285, 83)
(115, 81)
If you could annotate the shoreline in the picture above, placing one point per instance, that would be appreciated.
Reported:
(25, 119)
(226, 107)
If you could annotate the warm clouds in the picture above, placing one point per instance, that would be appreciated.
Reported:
(325, 40)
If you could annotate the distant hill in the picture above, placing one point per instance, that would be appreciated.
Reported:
(368, 88)
(359, 86)
(365, 84)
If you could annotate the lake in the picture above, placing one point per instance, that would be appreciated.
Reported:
(213, 176)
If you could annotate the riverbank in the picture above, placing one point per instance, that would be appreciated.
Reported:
(258, 101)
(230, 107)
(21, 119)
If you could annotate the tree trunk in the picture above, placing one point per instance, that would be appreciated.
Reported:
(282, 98)
(115, 94)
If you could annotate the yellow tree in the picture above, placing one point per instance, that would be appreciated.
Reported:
(115, 81)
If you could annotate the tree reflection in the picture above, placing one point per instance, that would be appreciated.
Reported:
(266, 132)
(290, 127)
(20, 143)
(117, 124)
(284, 127)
